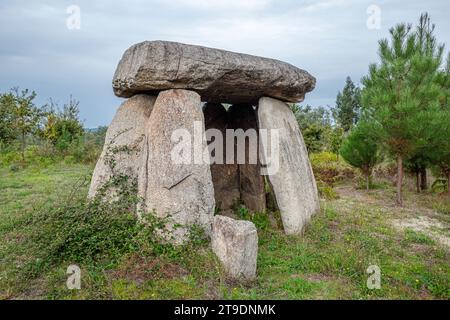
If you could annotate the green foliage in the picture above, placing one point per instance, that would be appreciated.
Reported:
(412, 236)
(260, 219)
(360, 148)
(19, 117)
(63, 127)
(442, 157)
(402, 93)
(95, 231)
(348, 105)
(98, 231)
(308, 115)
(314, 124)
(336, 137)
(7, 130)
(314, 137)
(331, 258)
(329, 169)
(326, 191)
(45, 135)
(439, 185)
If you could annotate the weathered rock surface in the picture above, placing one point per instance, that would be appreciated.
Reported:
(251, 181)
(182, 191)
(124, 141)
(235, 242)
(293, 184)
(225, 176)
(217, 75)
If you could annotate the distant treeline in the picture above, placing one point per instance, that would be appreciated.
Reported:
(48, 131)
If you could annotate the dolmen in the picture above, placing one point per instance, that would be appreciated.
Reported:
(204, 130)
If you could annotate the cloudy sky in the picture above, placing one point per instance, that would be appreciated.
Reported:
(329, 38)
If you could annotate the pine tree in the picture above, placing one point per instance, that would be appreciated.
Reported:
(437, 134)
(401, 93)
(348, 104)
(443, 159)
(360, 148)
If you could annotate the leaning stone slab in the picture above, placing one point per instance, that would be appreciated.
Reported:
(180, 190)
(217, 75)
(293, 183)
(235, 242)
(124, 140)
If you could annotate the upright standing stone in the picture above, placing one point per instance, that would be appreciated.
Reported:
(293, 184)
(251, 181)
(235, 242)
(124, 140)
(225, 176)
(181, 190)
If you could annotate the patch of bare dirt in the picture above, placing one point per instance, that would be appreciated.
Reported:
(414, 215)
(431, 227)
(140, 269)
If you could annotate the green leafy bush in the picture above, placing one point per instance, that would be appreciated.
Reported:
(329, 169)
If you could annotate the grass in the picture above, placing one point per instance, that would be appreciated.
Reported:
(329, 262)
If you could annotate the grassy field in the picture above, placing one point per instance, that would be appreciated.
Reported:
(411, 245)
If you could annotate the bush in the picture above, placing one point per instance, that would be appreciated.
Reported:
(329, 169)
(326, 191)
(43, 154)
(96, 232)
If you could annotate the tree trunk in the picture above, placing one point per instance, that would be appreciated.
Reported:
(417, 182)
(367, 181)
(448, 184)
(423, 179)
(23, 146)
(399, 199)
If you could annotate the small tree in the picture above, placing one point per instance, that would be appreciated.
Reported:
(314, 137)
(360, 149)
(335, 138)
(314, 124)
(348, 105)
(401, 93)
(25, 116)
(63, 127)
(7, 130)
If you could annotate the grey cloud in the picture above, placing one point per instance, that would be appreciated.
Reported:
(329, 38)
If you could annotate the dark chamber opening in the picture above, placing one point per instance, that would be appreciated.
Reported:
(236, 183)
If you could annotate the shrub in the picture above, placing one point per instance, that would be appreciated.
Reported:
(96, 231)
(360, 149)
(329, 169)
(326, 191)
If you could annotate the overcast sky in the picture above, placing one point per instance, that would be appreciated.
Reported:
(328, 38)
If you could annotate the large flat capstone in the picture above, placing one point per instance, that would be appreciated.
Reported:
(217, 75)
